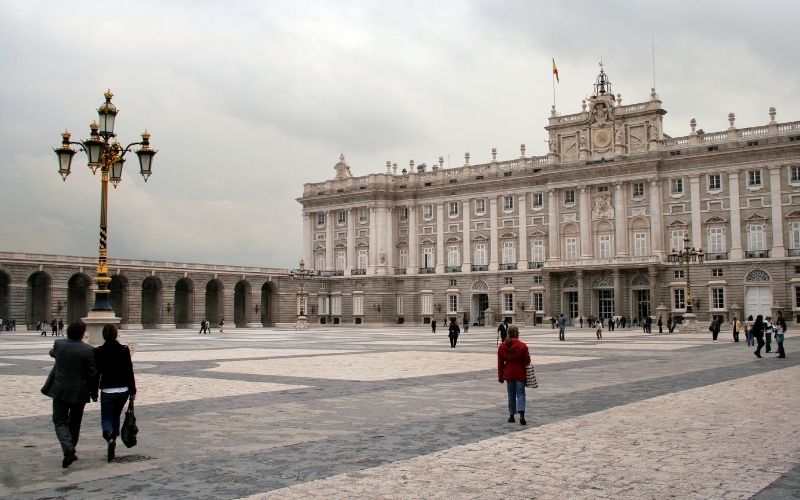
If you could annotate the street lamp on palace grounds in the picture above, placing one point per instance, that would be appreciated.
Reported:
(106, 154)
(301, 274)
(689, 255)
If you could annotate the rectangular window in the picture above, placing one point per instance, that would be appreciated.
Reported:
(716, 272)
(571, 248)
(537, 250)
(537, 200)
(358, 305)
(322, 303)
(452, 208)
(538, 280)
(320, 262)
(452, 303)
(321, 219)
(509, 256)
(401, 303)
(453, 255)
(538, 302)
(797, 297)
(754, 178)
(676, 186)
(794, 173)
(678, 299)
(716, 240)
(795, 236)
(755, 238)
(363, 215)
(427, 304)
(427, 257)
(638, 189)
(508, 302)
(336, 305)
(508, 280)
(508, 203)
(639, 244)
(679, 274)
(341, 217)
(452, 283)
(363, 258)
(480, 207)
(480, 254)
(569, 196)
(427, 212)
(604, 246)
(718, 298)
(714, 182)
(402, 258)
(341, 260)
(676, 239)
(403, 214)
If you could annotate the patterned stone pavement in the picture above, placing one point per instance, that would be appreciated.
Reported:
(368, 412)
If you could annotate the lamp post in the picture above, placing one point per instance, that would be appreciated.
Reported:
(301, 274)
(688, 255)
(106, 154)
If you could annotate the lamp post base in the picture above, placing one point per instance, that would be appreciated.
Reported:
(95, 323)
(689, 324)
(301, 323)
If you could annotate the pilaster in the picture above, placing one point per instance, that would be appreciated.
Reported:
(413, 244)
(697, 230)
(656, 219)
(522, 262)
(351, 242)
(620, 220)
(586, 222)
(778, 250)
(553, 236)
(736, 217)
(493, 234)
(440, 238)
(466, 237)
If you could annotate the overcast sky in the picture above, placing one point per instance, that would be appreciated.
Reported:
(247, 100)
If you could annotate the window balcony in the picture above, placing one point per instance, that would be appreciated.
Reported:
(717, 256)
(535, 264)
(427, 270)
(757, 254)
(358, 272)
(508, 267)
(452, 269)
(330, 273)
(480, 267)
(399, 270)
(794, 252)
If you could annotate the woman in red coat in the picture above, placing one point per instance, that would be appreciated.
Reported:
(512, 357)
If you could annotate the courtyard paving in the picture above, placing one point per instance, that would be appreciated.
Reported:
(394, 412)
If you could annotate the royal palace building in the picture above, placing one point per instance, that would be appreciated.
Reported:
(585, 230)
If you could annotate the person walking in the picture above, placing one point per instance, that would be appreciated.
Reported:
(222, 325)
(116, 384)
(453, 333)
(433, 325)
(670, 324)
(737, 328)
(502, 331)
(768, 333)
(581, 321)
(779, 331)
(758, 334)
(562, 325)
(715, 325)
(202, 327)
(71, 383)
(660, 324)
(598, 330)
(512, 358)
(53, 328)
(748, 330)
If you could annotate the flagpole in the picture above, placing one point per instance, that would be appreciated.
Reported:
(554, 91)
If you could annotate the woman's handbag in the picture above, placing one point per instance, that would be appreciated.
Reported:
(129, 428)
(530, 377)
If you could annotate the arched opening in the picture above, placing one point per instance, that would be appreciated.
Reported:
(38, 299)
(151, 302)
(118, 297)
(5, 281)
(184, 303)
(241, 304)
(214, 303)
(79, 295)
(267, 304)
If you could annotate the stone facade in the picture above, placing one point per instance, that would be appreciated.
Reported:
(585, 229)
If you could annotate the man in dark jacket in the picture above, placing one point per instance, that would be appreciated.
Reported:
(71, 383)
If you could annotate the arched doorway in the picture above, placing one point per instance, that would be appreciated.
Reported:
(214, 302)
(758, 293)
(79, 293)
(151, 302)
(5, 281)
(37, 299)
(241, 304)
(267, 304)
(118, 297)
(184, 303)
(479, 302)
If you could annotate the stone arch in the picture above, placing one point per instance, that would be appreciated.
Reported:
(640, 280)
(570, 283)
(183, 306)
(37, 299)
(479, 286)
(241, 304)
(79, 296)
(214, 301)
(603, 227)
(118, 297)
(5, 287)
(268, 304)
(570, 229)
(757, 276)
(152, 298)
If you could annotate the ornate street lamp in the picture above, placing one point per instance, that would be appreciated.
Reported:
(688, 255)
(301, 274)
(106, 154)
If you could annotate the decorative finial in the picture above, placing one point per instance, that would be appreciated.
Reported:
(441, 161)
(653, 95)
(553, 110)
(522, 150)
(388, 167)
(466, 158)
(341, 158)
(494, 154)
(693, 124)
(583, 105)
(108, 95)
(619, 99)
(772, 114)
(731, 119)
(65, 136)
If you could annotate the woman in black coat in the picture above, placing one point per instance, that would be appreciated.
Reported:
(116, 383)
(758, 333)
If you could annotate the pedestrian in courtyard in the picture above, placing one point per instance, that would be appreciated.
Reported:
(581, 321)
(453, 332)
(53, 328)
(433, 325)
(502, 331)
(71, 383)
(221, 325)
(202, 327)
(781, 321)
(598, 330)
(660, 324)
(562, 326)
(758, 334)
(714, 328)
(553, 322)
(116, 383)
(779, 332)
(768, 333)
(669, 324)
(748, 331)
(60, 327)
(512, 358)
(737, 328)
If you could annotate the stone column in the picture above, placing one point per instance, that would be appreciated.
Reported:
(697, 229)
(553, 236)
(581, 288)
(373, 239)
(652, 276)
(329, 222)
(380, 238)
(351, 242)
(522, 262)
(440, 238)
(736, 217)
(466, 237)
(389, 244)
(586, 223)
(621, 220)
(617, 292)
(656, 218)
(776, 200)
(493, 261)
(413, 244)
(308, 241)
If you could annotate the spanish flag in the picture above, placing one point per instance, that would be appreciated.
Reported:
(555, 71)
